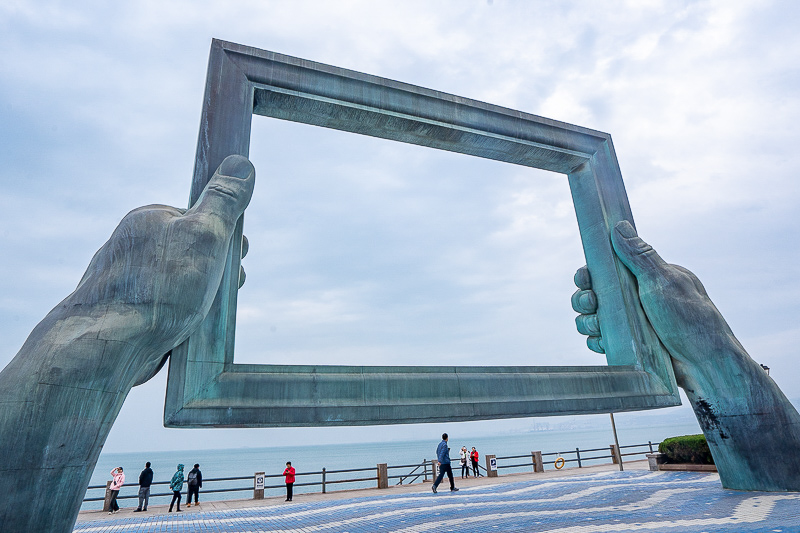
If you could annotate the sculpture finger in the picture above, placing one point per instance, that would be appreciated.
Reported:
(588, 325)
(595, 344)
(582, 278)
(245, 246)
(228, 192)
(638, 256)
(584, 302)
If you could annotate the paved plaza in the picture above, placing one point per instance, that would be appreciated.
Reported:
(600, 501)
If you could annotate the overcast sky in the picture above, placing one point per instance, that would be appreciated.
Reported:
(366, 251)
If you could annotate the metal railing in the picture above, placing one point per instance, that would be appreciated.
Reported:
(414, 474)
(425, 470)
(578, 456)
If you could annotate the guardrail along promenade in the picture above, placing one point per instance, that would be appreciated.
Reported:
(383, 475)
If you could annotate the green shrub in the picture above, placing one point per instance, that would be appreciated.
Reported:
(686, 449)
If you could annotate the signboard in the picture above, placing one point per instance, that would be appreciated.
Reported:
(493, 464)
(259, 482)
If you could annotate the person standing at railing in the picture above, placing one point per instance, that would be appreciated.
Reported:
(443, 456)
(116, 484)
(473, 455)
(145, 480)
(194, 480)
(464, 454)
(176, 485)
(289, 473)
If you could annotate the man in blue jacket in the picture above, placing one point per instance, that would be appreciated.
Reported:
(443, 456)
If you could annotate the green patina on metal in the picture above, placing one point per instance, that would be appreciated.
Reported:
(207, 388)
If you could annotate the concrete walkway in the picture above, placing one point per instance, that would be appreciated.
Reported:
(594, 499)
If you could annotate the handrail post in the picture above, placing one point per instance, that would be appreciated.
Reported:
(323, 480)
(616, 455)
(107, 500)
(578, 454)
(651, 446)
(258, 486)
(383, 476)
(424, 470)
(538, 465)
(434, 471)
(491, 466)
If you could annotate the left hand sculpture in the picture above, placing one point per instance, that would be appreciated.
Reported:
(753, 431)
(145, 291)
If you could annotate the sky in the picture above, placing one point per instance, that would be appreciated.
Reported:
(370, 252)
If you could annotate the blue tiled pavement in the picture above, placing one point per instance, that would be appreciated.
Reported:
(603, 502)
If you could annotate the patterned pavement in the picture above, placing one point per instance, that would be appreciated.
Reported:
(603, 502)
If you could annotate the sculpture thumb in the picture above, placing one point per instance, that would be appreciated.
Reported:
(637, 255)
(229, 190)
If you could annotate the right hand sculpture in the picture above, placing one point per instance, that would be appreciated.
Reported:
(752, 429)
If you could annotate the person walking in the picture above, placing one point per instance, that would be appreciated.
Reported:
(443, 456)
(289, 473)
(176, 485)
(473, 455)
(194, 480)
(145, 480)
(118, 479)
(464, 454)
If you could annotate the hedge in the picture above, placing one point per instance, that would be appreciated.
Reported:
(686, 449)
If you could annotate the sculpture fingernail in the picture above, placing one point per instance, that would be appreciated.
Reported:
(625, 229)
(236, 166)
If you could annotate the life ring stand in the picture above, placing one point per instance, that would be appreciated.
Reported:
(559, 463)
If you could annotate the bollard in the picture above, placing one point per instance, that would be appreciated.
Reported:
(383, 476)
(258, 486)
(491, 466)
(653, 460)
(107, 500)
(538, 465)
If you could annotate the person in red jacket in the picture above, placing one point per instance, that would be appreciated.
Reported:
(473, 455)
(289, 473)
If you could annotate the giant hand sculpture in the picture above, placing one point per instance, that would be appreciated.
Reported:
(144, 293)
(752, 429)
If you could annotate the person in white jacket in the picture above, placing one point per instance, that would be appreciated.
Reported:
(464, 454)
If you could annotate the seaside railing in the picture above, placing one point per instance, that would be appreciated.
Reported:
(586, 457)
(383, 474)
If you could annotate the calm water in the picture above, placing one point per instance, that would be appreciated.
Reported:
(311, 458)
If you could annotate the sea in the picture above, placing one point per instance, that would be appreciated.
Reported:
(309, 460)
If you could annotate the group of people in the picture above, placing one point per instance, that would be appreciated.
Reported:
(466, 459)
(194, 481)
(443, 457)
